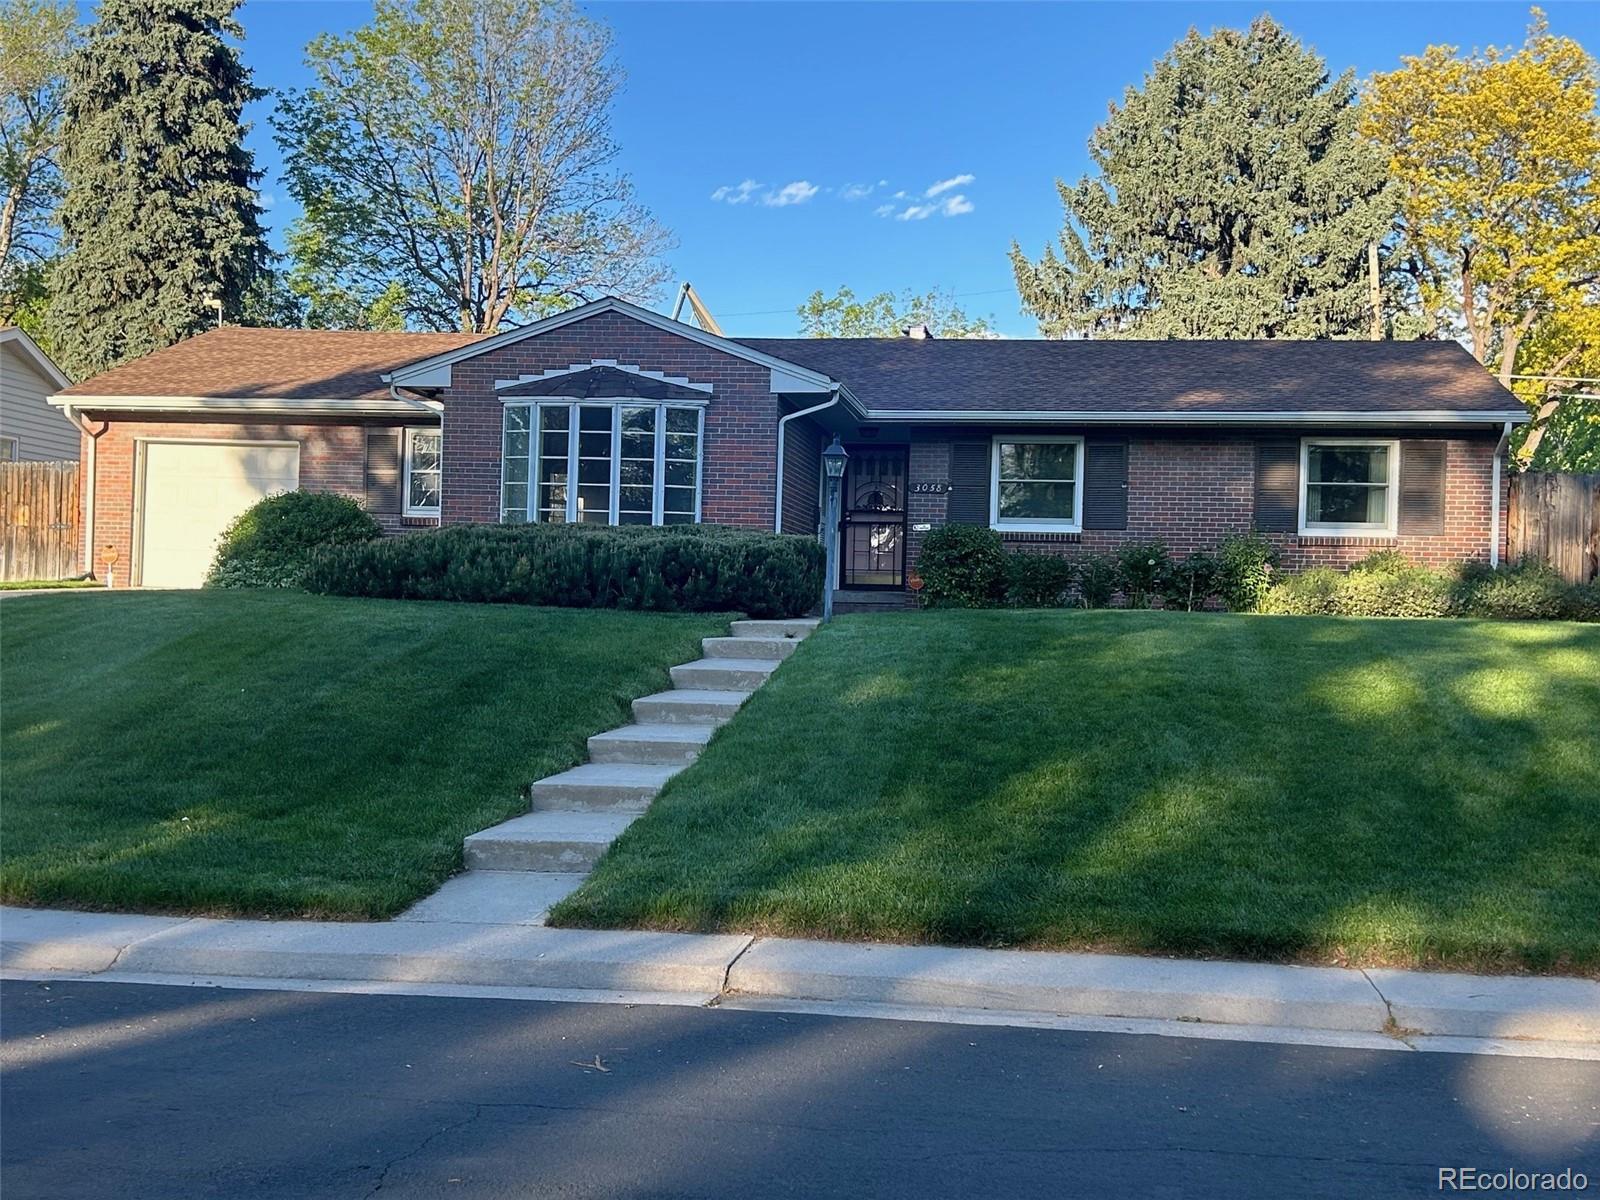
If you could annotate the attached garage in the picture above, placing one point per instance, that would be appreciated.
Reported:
(189, 491)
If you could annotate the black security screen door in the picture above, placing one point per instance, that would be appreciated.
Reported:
(873, 530)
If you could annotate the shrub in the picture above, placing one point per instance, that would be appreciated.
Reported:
(1526, 591)
(1246, 562)
(1387, 592)
(1142, 569)
(1583, 602)
(674, 568)
(1383, 562)
(1309, 594)
(963, 566)
(1097, 580)
(1191, 582)
(1037, 580)
(271, 543)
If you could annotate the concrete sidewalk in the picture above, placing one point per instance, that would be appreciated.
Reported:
(1410, 1005)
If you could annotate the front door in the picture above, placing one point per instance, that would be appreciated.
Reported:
(873, 525)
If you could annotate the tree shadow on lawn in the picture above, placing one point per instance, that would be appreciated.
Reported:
(1382, 792)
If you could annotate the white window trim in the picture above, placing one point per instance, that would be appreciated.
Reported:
(616, 403)
(406, 507)
(1347, 529)
(1035, 525)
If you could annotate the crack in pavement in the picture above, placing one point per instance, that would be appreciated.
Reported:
(383, 1174)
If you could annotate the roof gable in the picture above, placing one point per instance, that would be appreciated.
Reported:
(28, 350)
(787, 376)
(604, 380)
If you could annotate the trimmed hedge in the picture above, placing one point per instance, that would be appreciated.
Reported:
(271, 543)
(1385, 584)
(963, 566)
(673, 568)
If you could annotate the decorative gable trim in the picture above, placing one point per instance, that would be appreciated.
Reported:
(575, 368)
(435, 372)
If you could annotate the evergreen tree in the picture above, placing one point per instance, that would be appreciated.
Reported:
(161, 211)
(1233, 199)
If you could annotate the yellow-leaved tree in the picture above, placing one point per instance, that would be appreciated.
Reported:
(1497, 157)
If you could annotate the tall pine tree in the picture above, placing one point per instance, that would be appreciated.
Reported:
(161, 211)
(1233, 199)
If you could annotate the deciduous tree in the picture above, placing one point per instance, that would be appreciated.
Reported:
(1497, 158)
(887, 315)
(454, 163)
(1232, 198)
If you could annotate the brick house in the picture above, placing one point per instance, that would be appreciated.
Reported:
(609, 413)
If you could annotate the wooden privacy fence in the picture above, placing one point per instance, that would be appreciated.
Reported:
(39, 533)
(1555, 518)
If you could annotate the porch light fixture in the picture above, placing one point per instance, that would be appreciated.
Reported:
(833, 461)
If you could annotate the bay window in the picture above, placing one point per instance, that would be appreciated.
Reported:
(423, 460)
(611, 462)
(1036, 483)
(1347, 486)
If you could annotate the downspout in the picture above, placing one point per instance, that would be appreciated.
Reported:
(783, 428)
(1494, 500)
(82, 425)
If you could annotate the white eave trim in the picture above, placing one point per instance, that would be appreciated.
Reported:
(1069, 417)
(434, 372)
(37, 357)
(265, 405)
(577, 368)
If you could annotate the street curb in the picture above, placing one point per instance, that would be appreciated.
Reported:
(1402, 1004)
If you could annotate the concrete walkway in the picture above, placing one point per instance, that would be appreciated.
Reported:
(518, 869)
(1251, 1000)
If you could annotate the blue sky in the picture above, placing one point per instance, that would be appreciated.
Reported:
(829, 110)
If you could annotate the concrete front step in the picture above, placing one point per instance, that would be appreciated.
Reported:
(799, 627)
(749, 647)
(597, 786)
(730, 674)
(662, 743)
(546, 841)
(693, 706)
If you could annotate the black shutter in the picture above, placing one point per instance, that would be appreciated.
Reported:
(969, 484)
(1105, 484)
(1421, 487)
(383, 471)
(1277, 486)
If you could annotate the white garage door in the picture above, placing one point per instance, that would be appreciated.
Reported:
(192, 490)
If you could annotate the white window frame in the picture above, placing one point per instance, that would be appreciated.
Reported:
(1391, 507)
(406, 507)
(1036, 525)
(616, 403)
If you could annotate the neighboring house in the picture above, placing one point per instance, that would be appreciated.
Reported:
(30, 430)
(609, 413)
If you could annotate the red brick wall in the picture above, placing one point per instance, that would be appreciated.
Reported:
(1191, 489)
(741, 425)
(332, 459)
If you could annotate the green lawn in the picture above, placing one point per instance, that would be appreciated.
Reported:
(1396, 792)
(282, 754)
(20, 585)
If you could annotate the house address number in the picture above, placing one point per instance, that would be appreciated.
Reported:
(931, 489)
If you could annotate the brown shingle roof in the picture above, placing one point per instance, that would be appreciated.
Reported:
(1179, 377)
(281, 364)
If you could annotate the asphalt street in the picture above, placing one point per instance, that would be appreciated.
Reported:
(130, 1091)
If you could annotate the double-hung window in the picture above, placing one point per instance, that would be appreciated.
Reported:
(607, 462)
(1036, 483)
(1347, 486)
(423, 458)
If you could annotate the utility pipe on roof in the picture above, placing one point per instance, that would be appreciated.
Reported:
(1494, 499)
(783, 428)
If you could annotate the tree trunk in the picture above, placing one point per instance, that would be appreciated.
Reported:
(1374, 292)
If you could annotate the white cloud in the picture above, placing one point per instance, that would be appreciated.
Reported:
(945, 185)
(797, 192)
(950, 206)
(883, 210)
(856, 191)
(737, 195)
